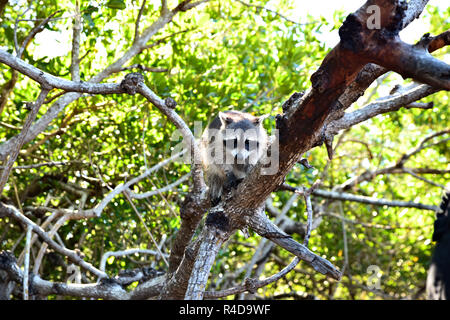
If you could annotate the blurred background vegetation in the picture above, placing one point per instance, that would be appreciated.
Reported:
(222, 55)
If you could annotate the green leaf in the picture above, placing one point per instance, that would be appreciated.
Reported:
(116, 4)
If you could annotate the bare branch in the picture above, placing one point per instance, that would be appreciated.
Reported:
(75, 66)
(146, 228)
(138, 20)
(158, 191)
(42, 250)
(439, 41)
(210, 243)
(44, 164)
(380, 106)
(265, 228)
(49, 81)
(189, 139)
(422, 146)
(16, 24)
(423, 179)
(122, 253)
(21, 137)
(274, 12)
(125, 186)
(72, 255)
(162, 40)
(36, 30)
(373, 201)
(187, 5)
(371, 71)
(309, 211)
(252, 285)
(26, 263)
(398, 167)
(144, 68)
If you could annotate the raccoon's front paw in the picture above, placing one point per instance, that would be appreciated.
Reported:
(232, 182)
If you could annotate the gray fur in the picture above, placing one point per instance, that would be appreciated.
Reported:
(231, 145)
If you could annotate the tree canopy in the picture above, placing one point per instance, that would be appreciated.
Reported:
(372, 213)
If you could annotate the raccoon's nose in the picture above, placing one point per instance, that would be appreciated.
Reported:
(240, 159)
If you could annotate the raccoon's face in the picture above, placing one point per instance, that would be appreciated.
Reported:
(243, 138)
(241, 146)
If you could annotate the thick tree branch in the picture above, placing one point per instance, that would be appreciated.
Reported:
(371, 71)
(380, 106)
(265, 228)
(49, 81)
(411, 62)
(108, 289)
(210, 243)
(252, 285)
(438, 42)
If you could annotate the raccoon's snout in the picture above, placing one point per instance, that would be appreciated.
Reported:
(240, 159)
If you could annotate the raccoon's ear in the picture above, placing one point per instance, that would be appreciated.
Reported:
(260, 119)
(225, 118)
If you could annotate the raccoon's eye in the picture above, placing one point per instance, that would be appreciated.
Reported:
(251, 145)
(228, 143)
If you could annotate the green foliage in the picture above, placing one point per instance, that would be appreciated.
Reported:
(223, 55)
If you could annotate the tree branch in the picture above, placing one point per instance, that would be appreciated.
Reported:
(125, 186)
(138, 20)
(6, 210)
(21, 137)
(380, 106)
(252, 285)
(274, 12)
(49, 81)
(108, 289)
(122, 253)
(398, 167)
(373, 201)
(158, 191)
(61, 103)
(76, 34)
(265, 228)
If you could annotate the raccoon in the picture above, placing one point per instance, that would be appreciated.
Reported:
(231, 145)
